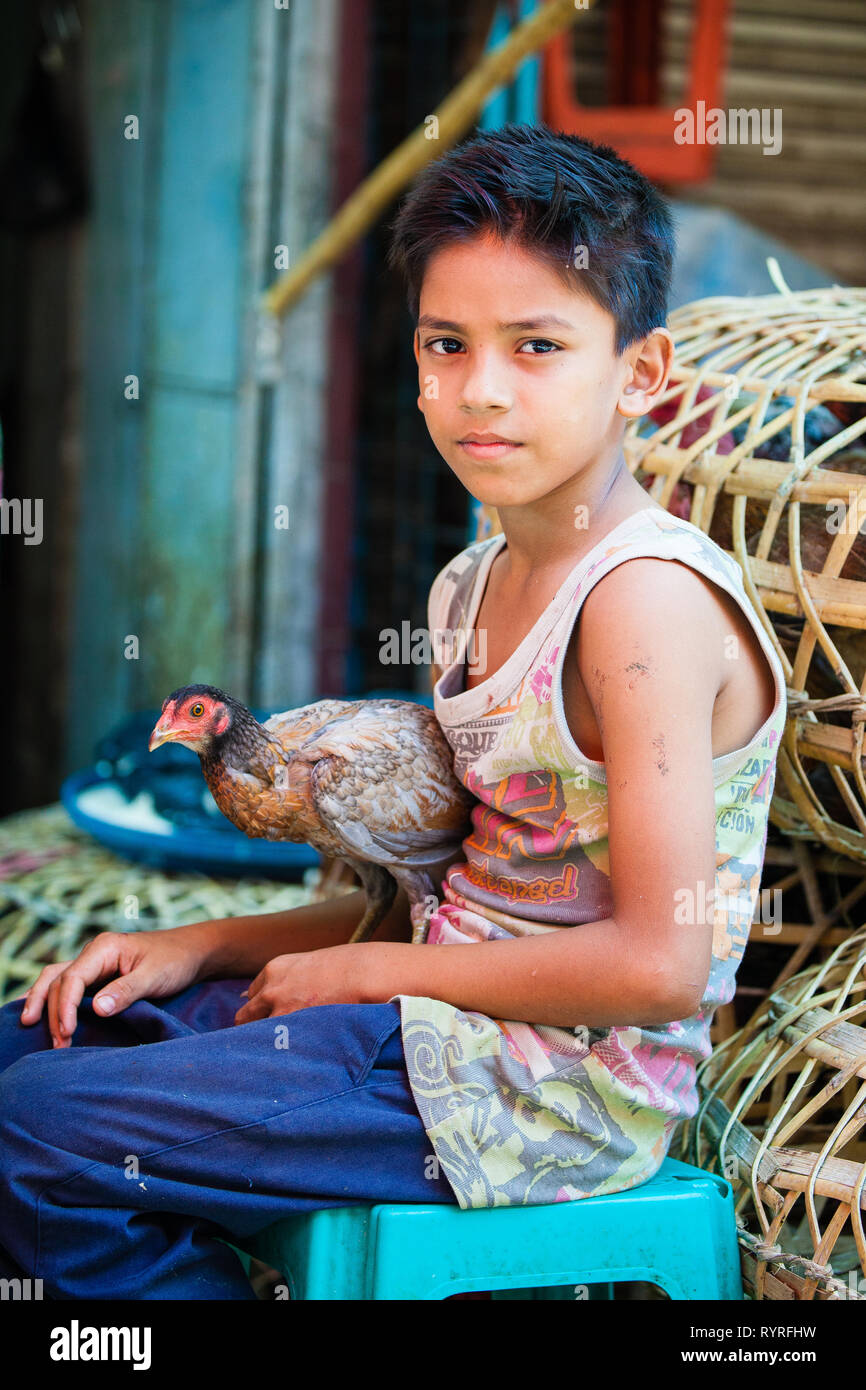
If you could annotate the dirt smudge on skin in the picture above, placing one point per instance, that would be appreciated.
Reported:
(661, 761)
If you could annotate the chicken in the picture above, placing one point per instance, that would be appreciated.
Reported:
(367, 781)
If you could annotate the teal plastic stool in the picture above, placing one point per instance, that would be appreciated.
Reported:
(677, 1230)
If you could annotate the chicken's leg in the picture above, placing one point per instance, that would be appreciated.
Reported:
(420, 914)
(421, 892)
(381, 891)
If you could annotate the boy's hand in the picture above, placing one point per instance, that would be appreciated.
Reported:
(330, 975)
(139, 965)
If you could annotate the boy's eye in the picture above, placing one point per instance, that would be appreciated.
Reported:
(545, 342)
(433, 341)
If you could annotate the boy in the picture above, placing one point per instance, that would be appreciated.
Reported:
(623, 769)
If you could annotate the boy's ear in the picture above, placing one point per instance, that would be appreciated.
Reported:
(651, 363)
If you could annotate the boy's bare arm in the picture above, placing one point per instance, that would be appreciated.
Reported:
(241, 946)
(648, 654)
(651, 661)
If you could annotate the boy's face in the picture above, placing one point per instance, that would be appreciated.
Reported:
(557, 391)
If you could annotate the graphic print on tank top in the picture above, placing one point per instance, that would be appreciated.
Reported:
(531, 1113)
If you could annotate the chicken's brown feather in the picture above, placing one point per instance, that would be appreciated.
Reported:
(387, 765)
(294, 726)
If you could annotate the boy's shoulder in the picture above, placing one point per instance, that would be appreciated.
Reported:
(456, 577)
(678, 538)
(658, 538)
(687, 610)
(451, 591)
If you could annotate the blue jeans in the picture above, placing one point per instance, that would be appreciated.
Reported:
(124, 1155)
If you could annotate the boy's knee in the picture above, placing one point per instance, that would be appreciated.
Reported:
(30, 1096)
(10, 1020)
(44, 1131)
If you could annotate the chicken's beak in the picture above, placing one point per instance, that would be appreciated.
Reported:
(160, 735)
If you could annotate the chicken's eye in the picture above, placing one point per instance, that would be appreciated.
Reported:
(196, 710)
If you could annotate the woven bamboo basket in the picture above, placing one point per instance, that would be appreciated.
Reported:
(781, 1116)
(760, 440)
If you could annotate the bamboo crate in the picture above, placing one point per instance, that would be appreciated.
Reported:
(781, 1114)
(814, 901)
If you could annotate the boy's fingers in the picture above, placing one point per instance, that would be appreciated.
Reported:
(69, 995)
(97, 958)
(253, 1009)
(35, 996)
(53, 1012)
(120, 993)
(255, 985)
(112, 998)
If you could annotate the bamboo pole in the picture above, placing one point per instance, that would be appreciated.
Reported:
(453, 117)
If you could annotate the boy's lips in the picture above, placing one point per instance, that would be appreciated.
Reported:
(487, 445)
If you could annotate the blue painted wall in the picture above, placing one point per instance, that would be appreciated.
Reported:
(157, 541)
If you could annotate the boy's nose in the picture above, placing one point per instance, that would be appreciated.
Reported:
(484, 388)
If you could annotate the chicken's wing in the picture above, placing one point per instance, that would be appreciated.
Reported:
(383, 783)
(294, 726)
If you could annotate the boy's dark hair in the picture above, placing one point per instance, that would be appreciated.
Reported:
(551, 193)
